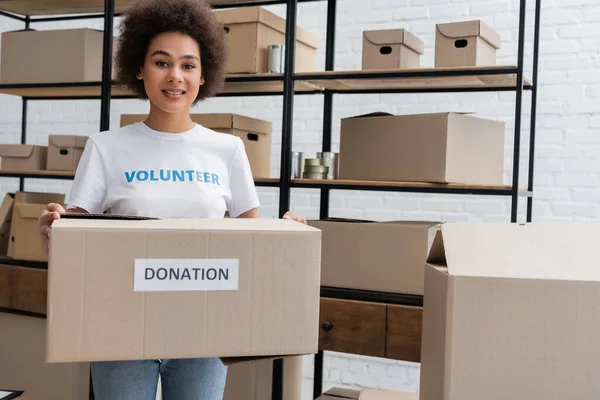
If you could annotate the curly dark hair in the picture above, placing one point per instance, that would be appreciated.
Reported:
(149, 18)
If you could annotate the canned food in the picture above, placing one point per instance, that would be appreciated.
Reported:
(332, 161)
(296, 164)
(313, 161)
(276, 58)
(313, 175)
(319, 169)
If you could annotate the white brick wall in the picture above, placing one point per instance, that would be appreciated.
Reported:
(568, 148)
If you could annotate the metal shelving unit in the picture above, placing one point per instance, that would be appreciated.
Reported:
(288, 85)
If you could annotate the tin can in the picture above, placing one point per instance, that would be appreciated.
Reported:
(312, 161)
(276, 58)
(296, 164)
(332, 161)
(316, 169)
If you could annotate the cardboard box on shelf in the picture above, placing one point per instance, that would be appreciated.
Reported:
(255, 133)
(6, 213)
(250, 30)
(465, 44)
(82, 63)
(64, 152)
(338, 393)
(23, 349)
(500, 293)
(254, 380)
(247, 287)
(378, 256)
(439, 148)
(391, 49)
(23, 157)
(24, 242)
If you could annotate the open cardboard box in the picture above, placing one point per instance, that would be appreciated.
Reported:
(238, 289)
(338, 393)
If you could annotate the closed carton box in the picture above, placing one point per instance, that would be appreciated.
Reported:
(511, 312)
(465, 44)
(255, 133)
(391, 49)
(23, 157)
(338, 393)
(253, 380)
(64, 152)
(127, 289)
(250, 30)
(23, 349)
(439, 148)
(378, 256)
(6, 213)
(81, 63)
(25, 242)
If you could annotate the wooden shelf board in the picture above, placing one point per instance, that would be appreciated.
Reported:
(330, 80)
(62, 7)
(94, 89)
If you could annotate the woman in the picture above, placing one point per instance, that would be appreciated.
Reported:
(171, 52)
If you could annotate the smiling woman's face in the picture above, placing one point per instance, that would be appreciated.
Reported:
(172, 72)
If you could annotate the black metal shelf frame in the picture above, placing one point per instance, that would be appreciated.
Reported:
(285, 183)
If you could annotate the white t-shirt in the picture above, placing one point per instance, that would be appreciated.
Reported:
(136, 170)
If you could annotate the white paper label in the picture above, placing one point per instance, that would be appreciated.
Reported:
(167, 275)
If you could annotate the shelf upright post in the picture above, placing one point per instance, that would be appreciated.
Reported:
(536, 51)
(518, 113)
(286, 149)
(107, 59)
(24, 116)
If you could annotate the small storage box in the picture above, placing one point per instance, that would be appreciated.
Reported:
(23, 157)
(440, 148)
(255, 133)
(391, 49)
(465, 44)
(82, 62)
(251, 30)
(64, 152)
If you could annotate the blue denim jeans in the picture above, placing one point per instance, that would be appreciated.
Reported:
(181, 379)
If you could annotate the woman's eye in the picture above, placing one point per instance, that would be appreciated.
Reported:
(161, 64)
(189, 66)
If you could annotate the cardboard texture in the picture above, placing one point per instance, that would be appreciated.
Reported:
(6, 212)
(254, 380)
(439, 148)
(391, 49)
(250, 30)
(337, 393)
(465, 44)
(258, 289)
(23, 366)
(23, 157)
(82, 63)
(379, 256)
(255, 133)
(24, 242)
(510, 312)
(64, 152)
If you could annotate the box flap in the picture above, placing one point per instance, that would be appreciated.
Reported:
(27, 210)
(337, 393)
(39, 197)
(80, 221)
(259, 14)
(554, 251)
(67, 141)
(395, 36)
(16, 150)
(456, 30)
(233, 121)
(343, 393)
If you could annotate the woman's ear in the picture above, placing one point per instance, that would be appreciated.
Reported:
(139, 75)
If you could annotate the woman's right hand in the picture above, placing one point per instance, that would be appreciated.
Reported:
(50, 214)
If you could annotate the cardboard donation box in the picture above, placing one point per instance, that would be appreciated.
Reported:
(25, 242)
(391, 49)
(64, 152)
(440, 147)
(337, 393)
(254, 380)
(379, 256)
(23, 157)
(511, 312)
(255, 133)
(465, 44)
(82, 63)
(251, 30)
(23, 349)
(182, 288)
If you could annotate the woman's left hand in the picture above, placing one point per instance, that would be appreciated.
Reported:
(289, 215)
